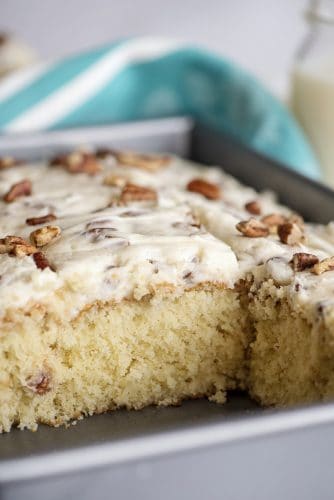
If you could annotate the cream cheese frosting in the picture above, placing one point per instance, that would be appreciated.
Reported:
(109, 250)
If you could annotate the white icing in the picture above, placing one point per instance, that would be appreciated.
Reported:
(112, 252)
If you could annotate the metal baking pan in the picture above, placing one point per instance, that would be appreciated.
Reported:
(198, 450)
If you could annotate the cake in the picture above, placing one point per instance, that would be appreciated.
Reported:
(132, 279)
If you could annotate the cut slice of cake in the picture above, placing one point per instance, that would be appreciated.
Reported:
(129, 280)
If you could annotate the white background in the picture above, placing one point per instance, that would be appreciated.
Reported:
(261, 35)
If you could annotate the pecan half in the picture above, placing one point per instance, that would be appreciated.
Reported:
(252, 228)
(114, 180)
(290, 233)
(78, 162)
(34, 221)
(148, 162)
(16, 246)
(253, 207)
(22, 188)
(45, 235)
(41, 261)
(8, 162)
(132, 192)
(39, 383)
(324, 266)
(207, 189)
(302, 260)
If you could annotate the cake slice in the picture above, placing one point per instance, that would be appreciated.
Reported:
(110, 296)
(129, 280)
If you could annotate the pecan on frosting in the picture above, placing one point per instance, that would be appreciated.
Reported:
(290, 233)
(324, 265)
(132, 192)
(303, 260)
(45, 235)
(150, 162)
(21, 188)
(252, 228)
(272, 221)
(78, 162)
(41, 261)
(253, 207)
(16, 246)
(34, 221)
(205, 188)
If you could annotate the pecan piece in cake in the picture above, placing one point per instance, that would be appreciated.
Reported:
(132, 192)
(45, 235)
(21, 188)
(78, 162)
(205, 188)
(253, 207)
(252, 228)
(8, 162)
(290, 233)
(39, 383)
(324, 266)
(34, 221)
(302, 260)
(16, 246)
(41, 261)
(148, 162)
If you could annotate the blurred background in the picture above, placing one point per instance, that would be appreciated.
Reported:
(261, 35)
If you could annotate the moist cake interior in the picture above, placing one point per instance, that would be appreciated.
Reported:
(130, 279)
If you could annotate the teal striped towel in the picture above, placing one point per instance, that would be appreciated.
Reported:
(148, 78)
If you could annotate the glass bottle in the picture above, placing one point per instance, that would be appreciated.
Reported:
(312, 97)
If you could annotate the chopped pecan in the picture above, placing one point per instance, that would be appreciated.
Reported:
(302, 260)
(273, 221)
(132, 192)
(23, 250)
(114, 180)
(41, 261)
(78, 162)
(252, 228)
(14, 240)
(324, 266)
(45, 235)
(253, 207)
(34, 221)
(149, 162)
(290, 233)
(17, 246)
(207, 189)
(296, 219)
(8, 162)
(22, 188)
(39, 383)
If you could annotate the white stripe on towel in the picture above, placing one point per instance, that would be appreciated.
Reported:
(12, 84)
(81, 88)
